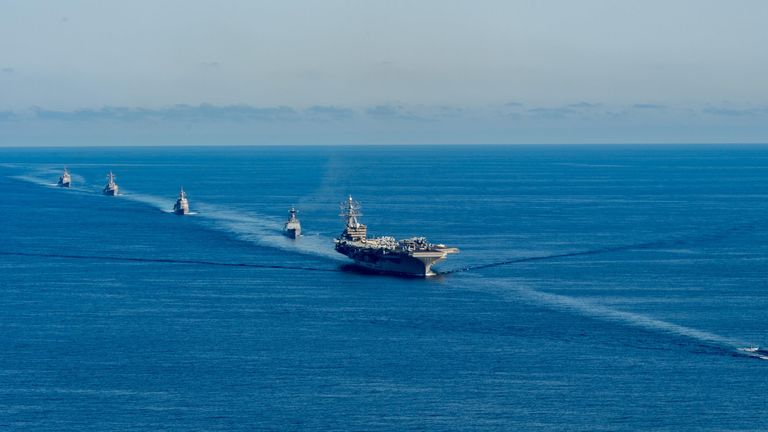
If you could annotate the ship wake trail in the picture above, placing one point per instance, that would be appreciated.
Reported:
(36, 180)
(164, 205)
(723, 344)
(246, 226)
(162, 261)
(673, 241)
(264, 231)
(49, 181)
(541, 258)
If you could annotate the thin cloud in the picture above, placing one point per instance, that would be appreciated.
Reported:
(579, 109)
(586, 105)
(646, 106)
(552, 113)
(391, 123)
(196, 113)
(209, 114)
(229, 113)
(328, 112)
(446, 111)
(392, 112)
(735, 112)
(100, 114)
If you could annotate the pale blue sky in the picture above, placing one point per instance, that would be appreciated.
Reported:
(253, 72)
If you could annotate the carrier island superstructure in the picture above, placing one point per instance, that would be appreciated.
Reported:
(411, 257)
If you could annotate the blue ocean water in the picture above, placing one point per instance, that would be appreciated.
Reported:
(597, 288)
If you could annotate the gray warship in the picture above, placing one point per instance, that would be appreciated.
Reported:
(410, 257)
(292, 228)
(111, 188)
(182, 205)
(65, 180)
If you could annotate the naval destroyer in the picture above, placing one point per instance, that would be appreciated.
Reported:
(65, 180)
(182, 205)
(411, 257)
(292, 228)
(111, 188)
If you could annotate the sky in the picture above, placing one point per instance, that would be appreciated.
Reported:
(382, 72)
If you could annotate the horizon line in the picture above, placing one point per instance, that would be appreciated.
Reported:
(548, 144)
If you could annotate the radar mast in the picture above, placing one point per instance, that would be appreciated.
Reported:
(350, 211)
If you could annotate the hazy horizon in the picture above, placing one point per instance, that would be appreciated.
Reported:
(261, 73)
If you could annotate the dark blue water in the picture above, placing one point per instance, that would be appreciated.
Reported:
(598, 288)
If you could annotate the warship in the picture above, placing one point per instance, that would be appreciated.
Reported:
(409, 257)
(65, 180)
(292, 228)
(111, 188)
(182, 205)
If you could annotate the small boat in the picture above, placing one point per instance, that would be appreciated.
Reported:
(111, 188)
(292, 228)
(65, 180)
(182, 205)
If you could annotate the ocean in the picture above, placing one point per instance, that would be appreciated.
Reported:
(616, 288)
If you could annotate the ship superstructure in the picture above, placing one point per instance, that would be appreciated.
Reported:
(412, 257)
(111, 188)
(182, 204)
(65, 180)
(292, 227)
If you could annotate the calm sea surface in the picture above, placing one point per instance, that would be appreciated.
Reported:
(597, 288)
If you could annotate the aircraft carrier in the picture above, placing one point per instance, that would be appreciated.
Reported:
(409, 257)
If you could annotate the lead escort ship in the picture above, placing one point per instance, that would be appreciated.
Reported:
(65, 180)
(111, 188)
(411, 257)
(181, 207)
(292, 228)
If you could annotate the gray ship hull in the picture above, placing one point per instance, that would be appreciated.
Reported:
(405, 266)
(417, 264)
(181, 207)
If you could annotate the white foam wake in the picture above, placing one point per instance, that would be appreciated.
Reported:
(35, 180)
(78, 183)
(49, 177)
(162, 204)
(244, 225)
(265, 231)
(592, 309)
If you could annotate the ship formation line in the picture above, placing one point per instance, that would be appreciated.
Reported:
(413, 256)
(409, 257)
